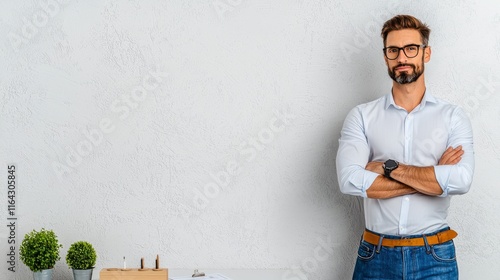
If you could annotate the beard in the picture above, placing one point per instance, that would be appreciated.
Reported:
(404, 77)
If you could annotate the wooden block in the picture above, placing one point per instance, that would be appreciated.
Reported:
(133, 274)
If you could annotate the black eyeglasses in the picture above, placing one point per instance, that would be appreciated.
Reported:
(410, 51)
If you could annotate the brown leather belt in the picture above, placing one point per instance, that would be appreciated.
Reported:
(438, 238)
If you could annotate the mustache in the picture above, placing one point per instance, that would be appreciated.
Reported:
(404, 64)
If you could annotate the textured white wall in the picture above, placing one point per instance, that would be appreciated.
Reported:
(206, 131)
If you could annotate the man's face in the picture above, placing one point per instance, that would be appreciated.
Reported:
(404, 70)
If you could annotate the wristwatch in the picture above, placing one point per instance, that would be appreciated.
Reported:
(389, 166)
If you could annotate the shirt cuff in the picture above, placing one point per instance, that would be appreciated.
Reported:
(442, 173)
(368, 179)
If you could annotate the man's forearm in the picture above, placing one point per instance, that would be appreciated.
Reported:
(422, 179)
(383, 187)
(410, 179)
(406, 179)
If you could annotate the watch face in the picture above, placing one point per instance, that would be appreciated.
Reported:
(390, 164)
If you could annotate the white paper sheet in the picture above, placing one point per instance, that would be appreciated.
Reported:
(212, 276)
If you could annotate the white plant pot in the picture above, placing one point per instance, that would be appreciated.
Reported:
(82, 274)
(45, 274)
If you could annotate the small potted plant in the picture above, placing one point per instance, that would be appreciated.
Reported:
(39, 251)
(81, 258)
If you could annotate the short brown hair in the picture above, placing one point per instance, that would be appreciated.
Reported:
(406, 22)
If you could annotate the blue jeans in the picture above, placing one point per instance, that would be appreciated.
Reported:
(437, 262)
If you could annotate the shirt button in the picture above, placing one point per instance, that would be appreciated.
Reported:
(407, 198)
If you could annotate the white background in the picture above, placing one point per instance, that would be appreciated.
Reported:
(206, 131)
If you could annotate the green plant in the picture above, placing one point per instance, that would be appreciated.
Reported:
(81, 255)
(40, 250)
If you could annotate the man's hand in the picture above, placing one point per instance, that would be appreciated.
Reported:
(451, 156)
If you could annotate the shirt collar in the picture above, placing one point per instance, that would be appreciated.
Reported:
(389, 100)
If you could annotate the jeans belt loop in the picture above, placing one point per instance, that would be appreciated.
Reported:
(427, 246)
(438, 235)
(379, 243)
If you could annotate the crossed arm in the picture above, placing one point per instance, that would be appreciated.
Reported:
(408, 179)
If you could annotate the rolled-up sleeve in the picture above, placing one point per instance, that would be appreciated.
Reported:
(457, 179)
(353, 155)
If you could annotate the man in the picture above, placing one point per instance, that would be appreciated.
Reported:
(406, 154)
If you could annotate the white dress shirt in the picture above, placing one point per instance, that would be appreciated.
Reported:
(381, 130)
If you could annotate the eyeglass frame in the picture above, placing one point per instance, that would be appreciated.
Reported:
(403, 49)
